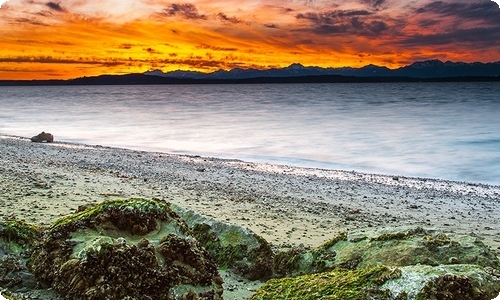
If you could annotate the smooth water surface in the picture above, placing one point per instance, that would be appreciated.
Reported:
(438, 130)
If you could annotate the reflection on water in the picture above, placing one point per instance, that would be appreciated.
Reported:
(444, 130)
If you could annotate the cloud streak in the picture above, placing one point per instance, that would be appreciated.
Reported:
(186, 10)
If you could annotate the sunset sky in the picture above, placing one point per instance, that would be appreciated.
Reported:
(73, 38)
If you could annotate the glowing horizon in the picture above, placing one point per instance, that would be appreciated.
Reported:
(61, 40)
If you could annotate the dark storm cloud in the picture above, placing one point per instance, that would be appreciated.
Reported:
(359, 22)
(476, 24)
(54, 6)
(427, 23)
(331, 16)
(476, 38)
(374, 3)
(225, 18)
(487, 10)
(186, 10)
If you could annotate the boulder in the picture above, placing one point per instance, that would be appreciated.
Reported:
(43, 137)
(233, 247)
(418, 282)
(125, 249)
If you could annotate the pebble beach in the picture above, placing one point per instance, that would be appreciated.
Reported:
(287, 205)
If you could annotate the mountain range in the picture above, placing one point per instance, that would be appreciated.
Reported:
(427, 71)
(421, 69)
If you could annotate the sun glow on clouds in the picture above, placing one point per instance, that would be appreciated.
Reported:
(52, 39)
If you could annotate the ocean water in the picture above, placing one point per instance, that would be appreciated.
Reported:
(434, 130)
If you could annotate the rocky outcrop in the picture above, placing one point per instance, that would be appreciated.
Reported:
(387, 283)
(43, 137)
(148, 249)
(233, 247)
(411, 264)
(390, 247)
(134, 248)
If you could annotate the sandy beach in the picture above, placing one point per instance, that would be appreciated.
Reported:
(286, 205)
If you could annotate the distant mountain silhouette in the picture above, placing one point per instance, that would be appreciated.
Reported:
(421, 69)
(428, 71)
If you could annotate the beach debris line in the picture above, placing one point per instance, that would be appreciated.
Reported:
(43, 137)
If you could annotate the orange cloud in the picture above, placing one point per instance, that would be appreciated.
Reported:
(50, 39)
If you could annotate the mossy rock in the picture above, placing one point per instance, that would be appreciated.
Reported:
(414, 246)
(456, 282)
(134, 248)
(233, 247)
(300, 261)
(17, 240)
(17, 235)
(390, 247)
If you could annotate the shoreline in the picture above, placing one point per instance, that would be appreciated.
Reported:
(286, 205)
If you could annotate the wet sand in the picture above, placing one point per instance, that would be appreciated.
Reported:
(287, 205)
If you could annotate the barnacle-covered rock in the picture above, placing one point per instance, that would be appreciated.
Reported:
(233, 247)
(419, 282)
(390, 247)
(134, 248)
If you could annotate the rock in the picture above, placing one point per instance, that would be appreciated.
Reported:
(17, 238)
(444, 282)
(299, 261)
(43, 137)
(392, 247)
(384, 283)
(134, 249)
(233, 247)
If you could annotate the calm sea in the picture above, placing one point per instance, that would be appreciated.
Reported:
(437, 130)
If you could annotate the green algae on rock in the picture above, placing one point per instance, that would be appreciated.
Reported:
(18, 234)
(134, 248)
(419, 282)
(17, 238)
(233, 247)
(336, 284)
